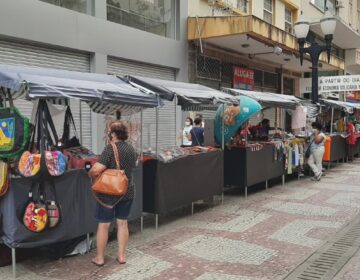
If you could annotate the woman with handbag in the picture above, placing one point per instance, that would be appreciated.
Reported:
(317, 149)
(120, 208)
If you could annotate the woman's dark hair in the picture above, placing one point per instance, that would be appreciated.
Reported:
(120, 129)
(198, 121)
(316, 125)
(265, 122)
(190, 120)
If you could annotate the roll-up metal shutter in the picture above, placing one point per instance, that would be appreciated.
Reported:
(16, 53)
(167, 113)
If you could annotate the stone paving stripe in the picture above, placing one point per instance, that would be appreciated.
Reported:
(226, 250)
(300, 208)
(221, 276)
(142, 265)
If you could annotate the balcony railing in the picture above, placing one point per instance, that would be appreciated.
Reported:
(132, 19)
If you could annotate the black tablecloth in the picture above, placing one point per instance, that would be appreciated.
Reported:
(169, 186)
(77, 211)
(338, 148)
(244, 167)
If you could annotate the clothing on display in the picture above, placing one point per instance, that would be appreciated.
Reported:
(298, 118)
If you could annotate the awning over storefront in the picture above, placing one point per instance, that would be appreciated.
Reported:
(104, 93)
(267, 99)
(188, 95)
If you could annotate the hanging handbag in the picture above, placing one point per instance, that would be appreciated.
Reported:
(46, 163)
(35, 217)
(65, 141)
(14, 129)
(308, 150)
(112, 182)
(4, 178)
(52, 207)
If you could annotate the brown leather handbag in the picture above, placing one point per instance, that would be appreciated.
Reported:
(112, 181)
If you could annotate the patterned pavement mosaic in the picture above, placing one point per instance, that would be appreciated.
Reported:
(263, 237)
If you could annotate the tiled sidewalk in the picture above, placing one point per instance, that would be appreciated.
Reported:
(263, 237)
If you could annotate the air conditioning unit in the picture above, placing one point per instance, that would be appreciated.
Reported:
(339, 4)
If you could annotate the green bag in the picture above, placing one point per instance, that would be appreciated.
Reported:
(14, 131)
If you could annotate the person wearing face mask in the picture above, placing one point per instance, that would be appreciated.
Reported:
(118, 134)
(317, 149)
(186, 137)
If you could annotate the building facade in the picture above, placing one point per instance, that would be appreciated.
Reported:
(142, 37)
(256, 38)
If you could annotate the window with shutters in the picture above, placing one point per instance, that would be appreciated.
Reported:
(154, 16)
(288, 20)
(242, 5)
(289, 86)
(82, 6)
(268, 11)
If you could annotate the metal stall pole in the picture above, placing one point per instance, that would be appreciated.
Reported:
(332, 120)
(223, 128)
(223, 146)
(88, 243)
(142, 160)
(157, 154)
(13, 262)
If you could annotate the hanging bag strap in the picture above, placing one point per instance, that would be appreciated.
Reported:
(116, 155)
(50, 123)
(69, 120)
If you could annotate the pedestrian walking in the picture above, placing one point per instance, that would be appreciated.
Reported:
(317, 149)
(118, 134)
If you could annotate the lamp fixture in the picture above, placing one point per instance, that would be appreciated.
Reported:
(301, 29)
(277, 50)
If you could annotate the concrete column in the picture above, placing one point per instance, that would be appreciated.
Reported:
(98, 64)
(99, 8)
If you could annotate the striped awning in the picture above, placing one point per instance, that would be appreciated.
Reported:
(104, 93)
(188, 95)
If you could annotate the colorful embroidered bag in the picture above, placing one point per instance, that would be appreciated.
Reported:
(4, 178)
(35, 216)
(14, 130)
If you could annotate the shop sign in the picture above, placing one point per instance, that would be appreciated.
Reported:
(333, 84)
(243, 78)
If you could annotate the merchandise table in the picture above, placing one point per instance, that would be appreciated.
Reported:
(172, 185)
(77, 211)
(244, 167)
(335, 148)
(354, 149)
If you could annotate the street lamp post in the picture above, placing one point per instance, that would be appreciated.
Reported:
(301, 28)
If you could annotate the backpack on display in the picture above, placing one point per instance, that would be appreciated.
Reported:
(14, 130)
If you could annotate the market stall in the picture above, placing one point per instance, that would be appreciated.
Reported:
(177, 177)
(74, 214)
(258, 160)
(340, 142)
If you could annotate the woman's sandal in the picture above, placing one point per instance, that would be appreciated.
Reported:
(97, 264)
(120, 261)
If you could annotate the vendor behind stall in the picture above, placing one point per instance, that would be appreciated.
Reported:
(261, 131)
(197, 133)
(351, 139)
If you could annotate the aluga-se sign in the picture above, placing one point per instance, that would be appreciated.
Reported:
(332, 84)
